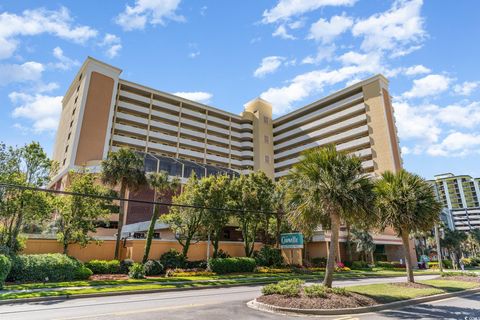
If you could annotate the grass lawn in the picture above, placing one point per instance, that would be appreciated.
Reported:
(385, 292)
(168, 283)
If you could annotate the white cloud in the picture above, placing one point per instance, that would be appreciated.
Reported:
(112, 45)
(194, 54)
(289, 8)
(198, 96)
(415, 70)
(323, 54)
(397, 28)
(28, 71)
(153, 12)
(430, 85)
(282, 32)
(34, 22)
(457, 115)
(64, 63)
(416, 122)
(456, 144)
(466, 88)
(326, 31)
(268, 65)
(42, 110)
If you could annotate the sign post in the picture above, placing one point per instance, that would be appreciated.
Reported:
(292, 245)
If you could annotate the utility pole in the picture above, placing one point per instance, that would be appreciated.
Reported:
(439, 253)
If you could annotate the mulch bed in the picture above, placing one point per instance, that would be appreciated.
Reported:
(108, 277)
(332, 301)
(411, 285)
(462, 278)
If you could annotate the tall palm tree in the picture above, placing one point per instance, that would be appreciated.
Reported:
(162, 185)
(123, 168)
(407, 203)
(328, 186)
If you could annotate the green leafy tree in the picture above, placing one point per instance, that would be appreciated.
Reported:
(279, 223)
(251, 196)
(27, 166)
(77, 215)
(364, 243)
(215, 195)
(163, 186)
(123, 168)
(186, 222)
(406, 203)
(328, 186)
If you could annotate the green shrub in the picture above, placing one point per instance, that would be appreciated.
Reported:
(475, 261)
(319, 262)
(359, 265)
(315, 291)
(125, 265)
(459, 273)
(104, 266)
(83, 273)
(231, 265)
(268, 257)
(173, 259)
(199, 264)
(289, 288)
(339, 291)
(467, 262)
(5, 266)
(153, 268)
(447, 264)
(53, 267)
(136, 271)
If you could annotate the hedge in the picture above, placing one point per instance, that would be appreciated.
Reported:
(268, 257)
(153, 268)
(5, 266)
(51, 267)
(173, 259)
(231, 265)
(104, 266)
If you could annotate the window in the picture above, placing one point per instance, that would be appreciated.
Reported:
(78, 88)
(71, 123)
(69, 135)
(66, 148)
(80, 78)
(265, 119)
(73, 112)
(266, 139)
(64, 160)
(76, 99)
(267, 159)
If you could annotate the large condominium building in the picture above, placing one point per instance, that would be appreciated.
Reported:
(460, 196)
(102, 112)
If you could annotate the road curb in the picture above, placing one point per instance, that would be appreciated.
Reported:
(254, 304)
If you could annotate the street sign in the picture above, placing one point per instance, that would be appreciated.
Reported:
(291, 240)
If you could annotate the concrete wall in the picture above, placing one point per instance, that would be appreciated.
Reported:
(133, 249)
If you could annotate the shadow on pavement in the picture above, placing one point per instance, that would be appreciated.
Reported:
(432, 312)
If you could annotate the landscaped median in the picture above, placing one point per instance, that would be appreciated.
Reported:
(293, 296)
(87, 287)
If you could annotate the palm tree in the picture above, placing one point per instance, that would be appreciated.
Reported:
(364, 243)
(125, 169)
(162, 185)
(407, 203)
(328, 186)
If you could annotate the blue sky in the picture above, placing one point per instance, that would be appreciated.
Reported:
(224, 53)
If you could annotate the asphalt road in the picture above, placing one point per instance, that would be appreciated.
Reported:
(218, 303)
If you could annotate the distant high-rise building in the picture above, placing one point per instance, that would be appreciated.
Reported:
(460, 196)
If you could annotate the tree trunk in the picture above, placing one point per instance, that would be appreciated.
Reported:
(348, 244)
(330, 269)
(372, 257)
(121, 214)
(215, 243)
(408, 258)
(186, 246)
(65, 248)
(151, 230)
(277, 233)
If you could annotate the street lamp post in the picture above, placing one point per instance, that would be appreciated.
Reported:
(439, 253)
